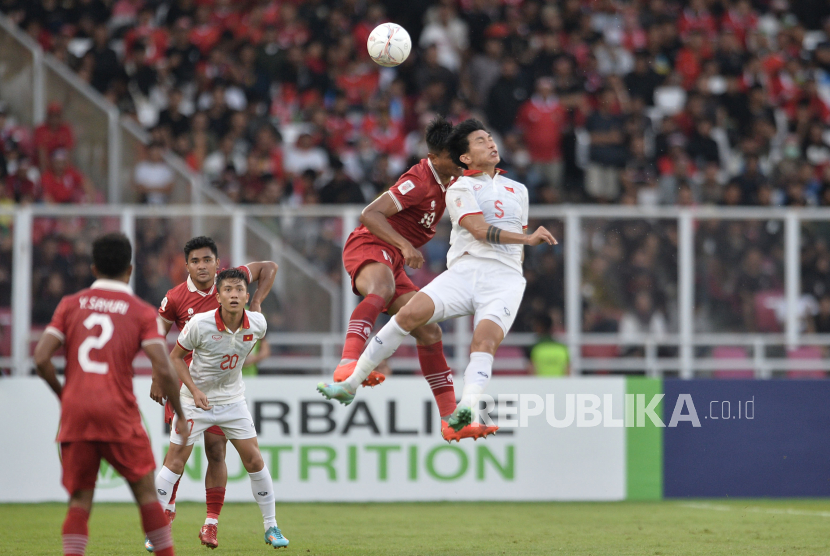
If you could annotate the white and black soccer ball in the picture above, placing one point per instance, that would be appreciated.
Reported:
(389, 45)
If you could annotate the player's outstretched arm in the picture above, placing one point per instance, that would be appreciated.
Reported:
(164, 376)
(177, 356)
(46, 348)
(482, 231)
(375, 216)
(263, 273)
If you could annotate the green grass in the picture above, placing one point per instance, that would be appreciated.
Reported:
(712, 528)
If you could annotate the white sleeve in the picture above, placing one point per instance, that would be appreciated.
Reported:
(189, 337)
(525, 208)
(461, 202)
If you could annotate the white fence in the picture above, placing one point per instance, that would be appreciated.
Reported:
(306, 344)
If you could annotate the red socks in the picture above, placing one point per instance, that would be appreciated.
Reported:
(157, 529)
(215, 498)
(361, 324)
(438, 374)
(75, 531)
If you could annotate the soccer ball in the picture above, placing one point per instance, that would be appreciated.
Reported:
(389, 45)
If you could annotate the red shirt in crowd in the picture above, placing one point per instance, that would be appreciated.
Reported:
(541, 123)
(53, 139)
(103, 328)
(67, 187)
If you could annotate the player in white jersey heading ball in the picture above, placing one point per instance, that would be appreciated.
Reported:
(484, 269)
(214, 394)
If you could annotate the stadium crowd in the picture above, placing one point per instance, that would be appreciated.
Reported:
(641, 102)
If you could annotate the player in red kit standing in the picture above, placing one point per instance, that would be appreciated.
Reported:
(392, 229)
(198, 295)
(103, 328)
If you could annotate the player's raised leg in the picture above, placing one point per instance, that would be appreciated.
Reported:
(262, 488)
(414, 314)
(376, 282)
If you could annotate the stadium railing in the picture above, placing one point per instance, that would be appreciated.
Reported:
(314, 295)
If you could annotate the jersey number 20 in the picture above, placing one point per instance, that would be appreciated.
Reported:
(95, 342)
(229, 362)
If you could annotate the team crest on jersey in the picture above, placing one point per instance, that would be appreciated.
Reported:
(458, 202)
(406, 187)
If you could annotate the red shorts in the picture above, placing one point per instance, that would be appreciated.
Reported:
(168, 418)
(362, 249)
(132, 459)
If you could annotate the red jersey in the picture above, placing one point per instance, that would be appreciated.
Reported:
(186, 300)
(419, 196)
(542, 122)
(65, 188)
(103, 328)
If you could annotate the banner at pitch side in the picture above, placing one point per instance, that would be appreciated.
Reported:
(386, 446)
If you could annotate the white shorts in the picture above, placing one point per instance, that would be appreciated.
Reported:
(234, 419)
(485, 288)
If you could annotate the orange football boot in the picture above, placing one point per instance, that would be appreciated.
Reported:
(342, 372)
(473, 430)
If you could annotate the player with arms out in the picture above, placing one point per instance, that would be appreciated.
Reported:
(197, 295)
(213, 393)
(103, 328)
(392, 229)
(484, 278)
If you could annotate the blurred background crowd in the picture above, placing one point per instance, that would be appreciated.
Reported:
(637, 102)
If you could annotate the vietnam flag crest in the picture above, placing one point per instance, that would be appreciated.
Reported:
(248, 338)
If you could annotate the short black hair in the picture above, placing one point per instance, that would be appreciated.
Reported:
(231, 274)
(459, 142)
(200, 242)
(111, 254)
(438, 134)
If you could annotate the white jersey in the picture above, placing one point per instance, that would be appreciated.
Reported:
(503, 203)
(218, 355)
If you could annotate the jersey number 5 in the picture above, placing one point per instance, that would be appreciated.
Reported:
(95, 342)
(229, 362)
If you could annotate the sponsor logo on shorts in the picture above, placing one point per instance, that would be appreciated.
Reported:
(162, 491)
(378, 340)
(482, 373)
(507, 311)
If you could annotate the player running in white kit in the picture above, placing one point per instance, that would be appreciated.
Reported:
(484, 277)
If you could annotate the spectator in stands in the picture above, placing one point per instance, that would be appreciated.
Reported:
(304, 155)
(63, 183)
(19, 187)
(548, 357)
(542, 120)
(52, 135)
(153, 179)
(608, 152)
(341, 189)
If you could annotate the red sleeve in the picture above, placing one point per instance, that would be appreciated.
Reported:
(57, 327)
(410, 190)
(247, 272)
(167, 309)
(151, 329)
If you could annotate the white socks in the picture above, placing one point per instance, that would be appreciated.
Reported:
(476, 377)
(165, 481)
(263, 488)
(381, 347)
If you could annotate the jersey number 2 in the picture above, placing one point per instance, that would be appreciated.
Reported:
(95, 342)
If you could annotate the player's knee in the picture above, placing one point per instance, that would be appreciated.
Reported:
(486, 345)
(428, 334)
(253, 463)
(385, 291)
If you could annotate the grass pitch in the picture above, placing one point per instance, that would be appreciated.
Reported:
(712, 528)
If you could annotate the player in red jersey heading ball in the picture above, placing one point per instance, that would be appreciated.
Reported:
(103, 328)
(392, 229)
(198, 295)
